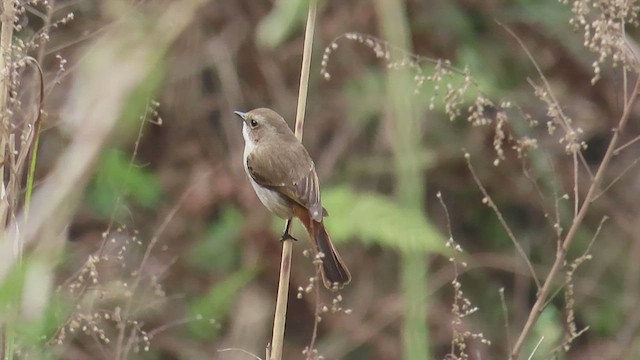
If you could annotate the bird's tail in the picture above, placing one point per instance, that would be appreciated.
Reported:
(335, 274)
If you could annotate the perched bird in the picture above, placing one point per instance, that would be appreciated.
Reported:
(285, 180)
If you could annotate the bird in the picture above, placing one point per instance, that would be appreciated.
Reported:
(284, 178)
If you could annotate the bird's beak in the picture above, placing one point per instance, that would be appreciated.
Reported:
(241, 114)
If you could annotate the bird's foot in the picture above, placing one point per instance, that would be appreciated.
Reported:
(287, 236)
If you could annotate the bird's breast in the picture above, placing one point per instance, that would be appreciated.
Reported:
(271, 199)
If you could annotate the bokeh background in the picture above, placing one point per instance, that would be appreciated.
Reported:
(167, 253)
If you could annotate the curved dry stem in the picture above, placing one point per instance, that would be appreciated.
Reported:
(251, 355)
(35, 139)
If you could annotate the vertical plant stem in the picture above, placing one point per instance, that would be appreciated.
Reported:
(280, 316)
(409, 182)
(306, 66)
(415, 342)
(6, 37)
(6, 40)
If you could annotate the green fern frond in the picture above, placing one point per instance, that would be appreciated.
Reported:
(377, 219)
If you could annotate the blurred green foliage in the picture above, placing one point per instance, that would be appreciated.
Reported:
(117, 177)
(11, 287)
(604, 317)
(377, 220)
(219, 249)
(364, 95)
(34, 333)
(211, 308)
(281, 22)
(546, 335)
(552, 15)
(32, 326)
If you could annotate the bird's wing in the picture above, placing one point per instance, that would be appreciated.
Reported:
(271, 167)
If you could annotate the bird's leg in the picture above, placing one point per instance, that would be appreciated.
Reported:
(287, 228)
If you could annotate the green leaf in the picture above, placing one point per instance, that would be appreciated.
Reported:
(219, 248)
(215, 305)
(285, 17)
(376, 219)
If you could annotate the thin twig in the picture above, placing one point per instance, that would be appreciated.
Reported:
(541, 300)
(576, 194)
(535, 348)
(101, 250)
(446, 213)
(565, 123)
(617, 178)
(505, 312)
(242, 351)
(121, 351)
(450, 242)
(489, 202)
(541, 195)
(584, 254)
(628, 143)
(280, 316)
(316, 320)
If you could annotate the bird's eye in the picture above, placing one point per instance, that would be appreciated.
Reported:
(253, 123)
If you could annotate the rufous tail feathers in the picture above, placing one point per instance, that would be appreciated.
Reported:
(335, 274)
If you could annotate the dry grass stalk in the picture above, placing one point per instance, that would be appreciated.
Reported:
(6, 39)
(280, 316)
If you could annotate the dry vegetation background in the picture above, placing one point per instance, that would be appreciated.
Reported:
(143, 238)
